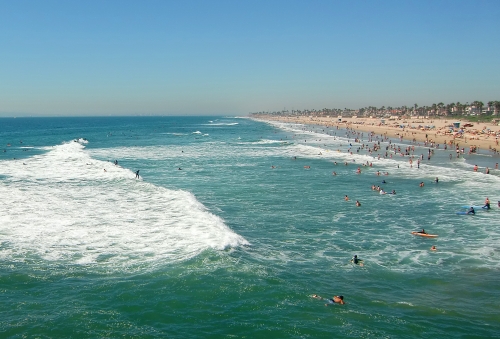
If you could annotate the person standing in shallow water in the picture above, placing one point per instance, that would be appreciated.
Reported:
(137, 174)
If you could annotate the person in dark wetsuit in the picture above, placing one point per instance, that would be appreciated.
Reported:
(471, 210)
(356, 260)
(137, 174)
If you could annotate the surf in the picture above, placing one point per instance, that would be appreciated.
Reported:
(65, 206)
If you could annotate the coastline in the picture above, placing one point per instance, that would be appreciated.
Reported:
(483, 136)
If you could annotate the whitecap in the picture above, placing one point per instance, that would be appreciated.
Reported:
(65, 206)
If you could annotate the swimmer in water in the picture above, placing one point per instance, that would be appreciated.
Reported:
(471, 210)
(433, 248)
(346, 198)
(358, 203)
(337, 299)
(356, 260)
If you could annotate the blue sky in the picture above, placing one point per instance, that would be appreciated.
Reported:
(235, 57)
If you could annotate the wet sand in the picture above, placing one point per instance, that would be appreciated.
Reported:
(484, 136)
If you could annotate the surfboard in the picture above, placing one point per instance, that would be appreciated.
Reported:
(464, 213)
(475, 207)
(424, 234)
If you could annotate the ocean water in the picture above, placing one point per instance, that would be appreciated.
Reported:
(232, 226)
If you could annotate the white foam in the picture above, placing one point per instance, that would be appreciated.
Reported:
(81, 141)
(63, 206)
(266, 141)
(222, 124)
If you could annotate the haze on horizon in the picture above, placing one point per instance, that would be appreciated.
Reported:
(68, 58)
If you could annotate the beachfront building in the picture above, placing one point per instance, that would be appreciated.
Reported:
(476, 108)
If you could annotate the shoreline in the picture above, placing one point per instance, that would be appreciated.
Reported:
(483, 136)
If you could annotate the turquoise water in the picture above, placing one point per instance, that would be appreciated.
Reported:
(227, 245)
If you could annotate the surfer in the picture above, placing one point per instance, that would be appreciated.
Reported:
(421, 184)
(433, 248)
(393, 192)
(422, 231)
(487, 204)
(337, 299)
(137, 174)
(436, 180)
(356, 260)
(358, 203)
(471, 210)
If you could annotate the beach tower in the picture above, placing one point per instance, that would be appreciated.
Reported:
(456, 124)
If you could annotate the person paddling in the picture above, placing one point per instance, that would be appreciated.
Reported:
(356, 260)
(336, 299)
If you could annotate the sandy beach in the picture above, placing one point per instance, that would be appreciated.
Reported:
(484, 136)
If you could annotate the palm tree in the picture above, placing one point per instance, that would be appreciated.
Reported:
(478, 104)
(450, 107)
(440, 106)
(497, 107)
